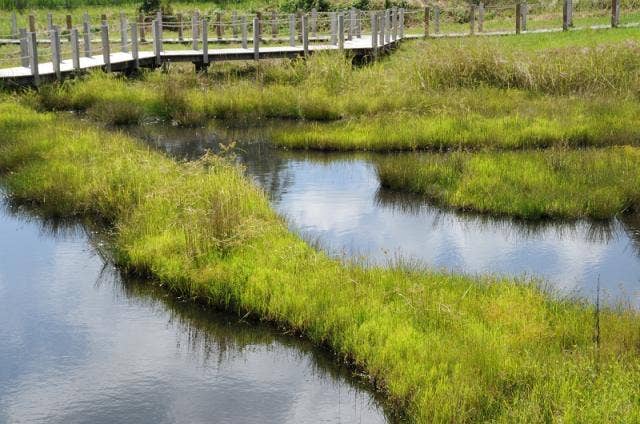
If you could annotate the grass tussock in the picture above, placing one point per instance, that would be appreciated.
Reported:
(592, 183)
(443, 347)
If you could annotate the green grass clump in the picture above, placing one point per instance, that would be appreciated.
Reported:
(590, 183)
(442, 347)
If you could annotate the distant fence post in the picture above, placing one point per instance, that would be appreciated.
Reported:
(340, 31)
(69, 23)
(55, 51)
(86, 35)
(134, 46)
(333, 24)
(436, 19)
(518, 17)
(615, 13)
(32, 23)
(472, 19)
(106, 49)
(524, 15)
(292, 29)
(142, 24)
(33, 58)
(205, 42)
(180, 27)
(305, 35)
(427, 18)
(218, 26)
(565, 15)
(75, 49)
(244, 32)
(49, 22)
(256, 38)
(24, 47)
(481, 17)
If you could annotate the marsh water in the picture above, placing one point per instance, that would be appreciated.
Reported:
(336, 200)
(81, 344)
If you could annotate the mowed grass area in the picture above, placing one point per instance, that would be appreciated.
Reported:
(558, 183)
(442, 347)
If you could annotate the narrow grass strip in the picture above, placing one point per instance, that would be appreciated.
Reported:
(443, 347)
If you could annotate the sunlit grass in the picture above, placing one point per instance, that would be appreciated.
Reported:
(443, 347)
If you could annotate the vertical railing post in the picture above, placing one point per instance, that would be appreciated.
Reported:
(427, 18)
(160, 24)
(141, 28)
(205, 42)
(75, 49)
(157, 42)
(358, 23)
(234, 24)
(436, 19)
(14, 24)
(274, 25)
(180, 27)
(124, 33)
(24, 47)
(69, 23)
(387, 24)
(565, 15)
(244, 32)
(374, 33)
(256, 38)
(86, 35)
(305, 35)
(49, 22)
(314, 23)
(481, 17)
(334, 28)
(351, 24)
(194, 31)
(401, 29)
(32, 24)
(518, 17)
(472, 19)
(55, 51)
(292, 29)
(218, 26)
(394, 24)
(524, 15)
(135, 54)
(106, 49)
(340, 31)
(382, 30)
(33, 58)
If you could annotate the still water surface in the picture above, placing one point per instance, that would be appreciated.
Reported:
(79, 344)
(336, 200)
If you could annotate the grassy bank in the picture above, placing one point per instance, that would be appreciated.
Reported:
(577, 88)
(593, 183)
(443, 347)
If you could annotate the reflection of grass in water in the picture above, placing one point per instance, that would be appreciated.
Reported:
(444, 347)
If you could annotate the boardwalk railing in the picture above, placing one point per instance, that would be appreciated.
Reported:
(124, 42)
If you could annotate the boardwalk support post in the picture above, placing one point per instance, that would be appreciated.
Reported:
(106, 49)
(33, 58)
(75, 49)
(256, 38)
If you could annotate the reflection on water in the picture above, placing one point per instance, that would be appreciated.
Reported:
(336, 199)
(80, 344)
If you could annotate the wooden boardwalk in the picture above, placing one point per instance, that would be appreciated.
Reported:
(143, 44)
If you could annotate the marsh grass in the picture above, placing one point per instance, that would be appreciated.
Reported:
(590, 183)
(442, 347)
